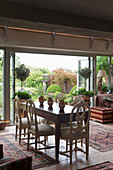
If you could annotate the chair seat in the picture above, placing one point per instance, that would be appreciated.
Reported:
(43, 130)
(65, 134)
(24, 123)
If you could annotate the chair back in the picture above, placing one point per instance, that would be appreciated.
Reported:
(17, 110)
(31, 113)
(78, 99)
(82, 118)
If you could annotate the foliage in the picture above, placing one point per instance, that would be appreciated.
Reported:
(69, 100)
(55, 95)
(104, 87)
(33, 80)
(1, 95)
(49, 96)
(103, 64)
(22, 95)
(85, 72)
(74, 91)
(83, 91)
(63, 77)
(53, 88)
(89, 93)
(36, 77)
(111, 88)
(22, 73)
(61, 97)
(40, 90)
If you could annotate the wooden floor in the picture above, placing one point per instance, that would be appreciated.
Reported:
(95, 156)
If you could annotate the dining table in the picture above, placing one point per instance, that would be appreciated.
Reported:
(56, 116)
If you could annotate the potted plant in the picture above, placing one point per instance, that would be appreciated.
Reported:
(85, 73)
(69, 100)
(22, 95)
(50, 101)
(41, 94)
(22, 73)
(61, 98)
(85, 94)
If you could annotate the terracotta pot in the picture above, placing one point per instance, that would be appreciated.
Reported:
(61, 105)
(50, 103)
(41, 100)
(3, 124)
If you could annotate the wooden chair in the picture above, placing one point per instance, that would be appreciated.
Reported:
(35, 128)
(77, 100)
(21, 123)
(80, 131)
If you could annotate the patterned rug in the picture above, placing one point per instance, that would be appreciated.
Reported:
(100, 137)
(101, 166)
(11, 148)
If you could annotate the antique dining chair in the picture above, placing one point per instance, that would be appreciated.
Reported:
(78, 131)
(35, 128)
(77, 100)
(21, 123)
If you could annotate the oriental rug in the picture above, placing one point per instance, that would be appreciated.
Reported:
(102, 166)
(100, 137)
(11, 148)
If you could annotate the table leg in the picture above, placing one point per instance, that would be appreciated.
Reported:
(57, 138)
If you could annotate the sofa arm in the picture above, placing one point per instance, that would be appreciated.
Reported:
(8, 163)
(1, 151)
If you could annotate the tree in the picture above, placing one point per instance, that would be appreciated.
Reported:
(103, 64)
(63, 77)
(85, 73)
(22, 73)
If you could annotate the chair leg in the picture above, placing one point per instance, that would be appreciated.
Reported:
(20, 131)
(24, 131)
(87, 148)
(66, 145)
(71, 152)
(16, 133)
(28, 141)
(45, 140)
(75, 147)
(81, 142)
(36, 146)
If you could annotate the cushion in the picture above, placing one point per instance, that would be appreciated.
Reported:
(108, 99)
(44, 129)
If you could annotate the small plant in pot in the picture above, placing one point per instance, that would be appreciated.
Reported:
(22, 94)
(41, 94)
(61, 98)
(50, 101)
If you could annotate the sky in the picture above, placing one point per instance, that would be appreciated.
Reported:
(49, 61)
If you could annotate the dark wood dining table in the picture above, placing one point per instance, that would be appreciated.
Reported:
(56, 116)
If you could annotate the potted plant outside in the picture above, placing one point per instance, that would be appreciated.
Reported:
(85, 73)
(41, 93)
(61, 98)
(50, 101)
(23, 95)
(85, 94)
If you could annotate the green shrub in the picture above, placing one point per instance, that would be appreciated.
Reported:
(22, 95)
(54, 88)
(73, 91)
(69, 100)
(81, 91)
(89, 93)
